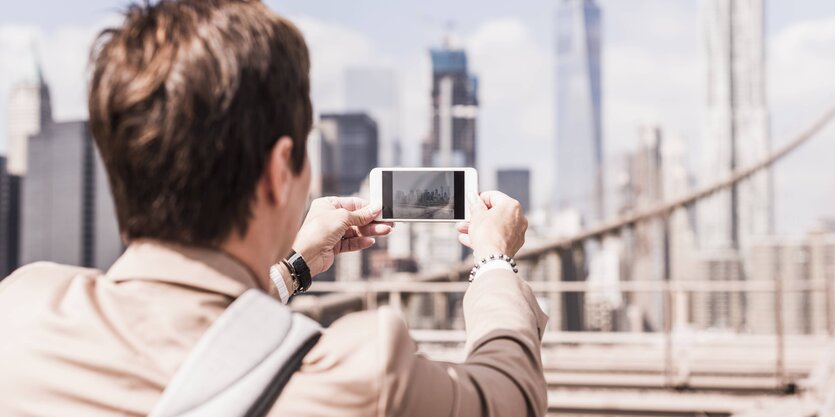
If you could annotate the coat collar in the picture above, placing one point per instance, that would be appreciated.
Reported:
(201, 268)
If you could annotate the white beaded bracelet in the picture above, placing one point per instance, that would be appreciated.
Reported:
(493, 258)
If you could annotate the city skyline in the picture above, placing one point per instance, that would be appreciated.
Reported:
(521, 36)
(667, 287)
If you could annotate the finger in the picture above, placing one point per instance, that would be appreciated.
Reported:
(465, 240)
(355, 243)
(476, 203)
(349, 203)
(374, 229)
(351, 232)
(462, 227)
(493, 198)
(365, 215)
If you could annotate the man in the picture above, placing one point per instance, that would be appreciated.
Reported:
(200, 110)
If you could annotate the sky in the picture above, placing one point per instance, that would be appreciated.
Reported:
(652, 74)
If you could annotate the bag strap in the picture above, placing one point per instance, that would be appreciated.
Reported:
(242, 362)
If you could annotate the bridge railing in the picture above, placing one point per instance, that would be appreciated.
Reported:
(547, 260)
(677, 319)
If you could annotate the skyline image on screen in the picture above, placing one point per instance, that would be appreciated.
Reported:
(423, 195)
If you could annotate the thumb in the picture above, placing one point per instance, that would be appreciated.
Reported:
(365, 215)
(476, 203)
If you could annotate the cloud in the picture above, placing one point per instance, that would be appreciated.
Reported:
(334, 48)
(801, 67)
(515, 101)
(801, 86)
(643, 86)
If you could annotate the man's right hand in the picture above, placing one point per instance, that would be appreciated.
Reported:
(497, 225)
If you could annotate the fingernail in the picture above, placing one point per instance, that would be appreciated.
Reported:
(373, 241)
(375, 208)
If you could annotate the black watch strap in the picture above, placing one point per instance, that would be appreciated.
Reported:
(300, 271)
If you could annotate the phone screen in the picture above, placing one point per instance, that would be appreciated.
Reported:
(423, 195)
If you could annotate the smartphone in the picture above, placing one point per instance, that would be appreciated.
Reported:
(423, 194)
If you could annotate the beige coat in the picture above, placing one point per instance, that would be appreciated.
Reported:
(76, 342)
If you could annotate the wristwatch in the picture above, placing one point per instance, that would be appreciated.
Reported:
(299, 271)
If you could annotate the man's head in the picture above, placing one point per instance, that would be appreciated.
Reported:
(201, 110)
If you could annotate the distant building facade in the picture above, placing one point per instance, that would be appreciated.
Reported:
(68, 214)
(6, 245)
(579, 159)
(30, 109)
(797, 260)
(349, 151)
(452, 141)
(661, 249)
(736, 136)
(736, 127)
(517, 184)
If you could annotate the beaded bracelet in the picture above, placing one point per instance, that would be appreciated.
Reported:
(499, 257)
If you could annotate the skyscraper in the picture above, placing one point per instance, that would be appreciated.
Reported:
(67, 210)
(374, 91)
(349, 151)
(5, 210)
(579, 184)
(452, 141)
(517, 184)
(736, 128)
(30, 109)
(736, 136)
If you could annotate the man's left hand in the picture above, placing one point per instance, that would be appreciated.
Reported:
(334, 225)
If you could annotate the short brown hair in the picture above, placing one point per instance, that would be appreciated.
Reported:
(186, 100)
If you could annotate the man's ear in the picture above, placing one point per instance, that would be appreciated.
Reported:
(278, 172)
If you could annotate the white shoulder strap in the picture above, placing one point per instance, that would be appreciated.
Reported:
(242, 362)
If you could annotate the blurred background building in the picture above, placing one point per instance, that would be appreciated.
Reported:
(349, 149)
(8, 250)
(792, 260)
(57, 205)
(68, 214)
(452, 141)
(516, 183)
(579, 162)
(736, 136)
